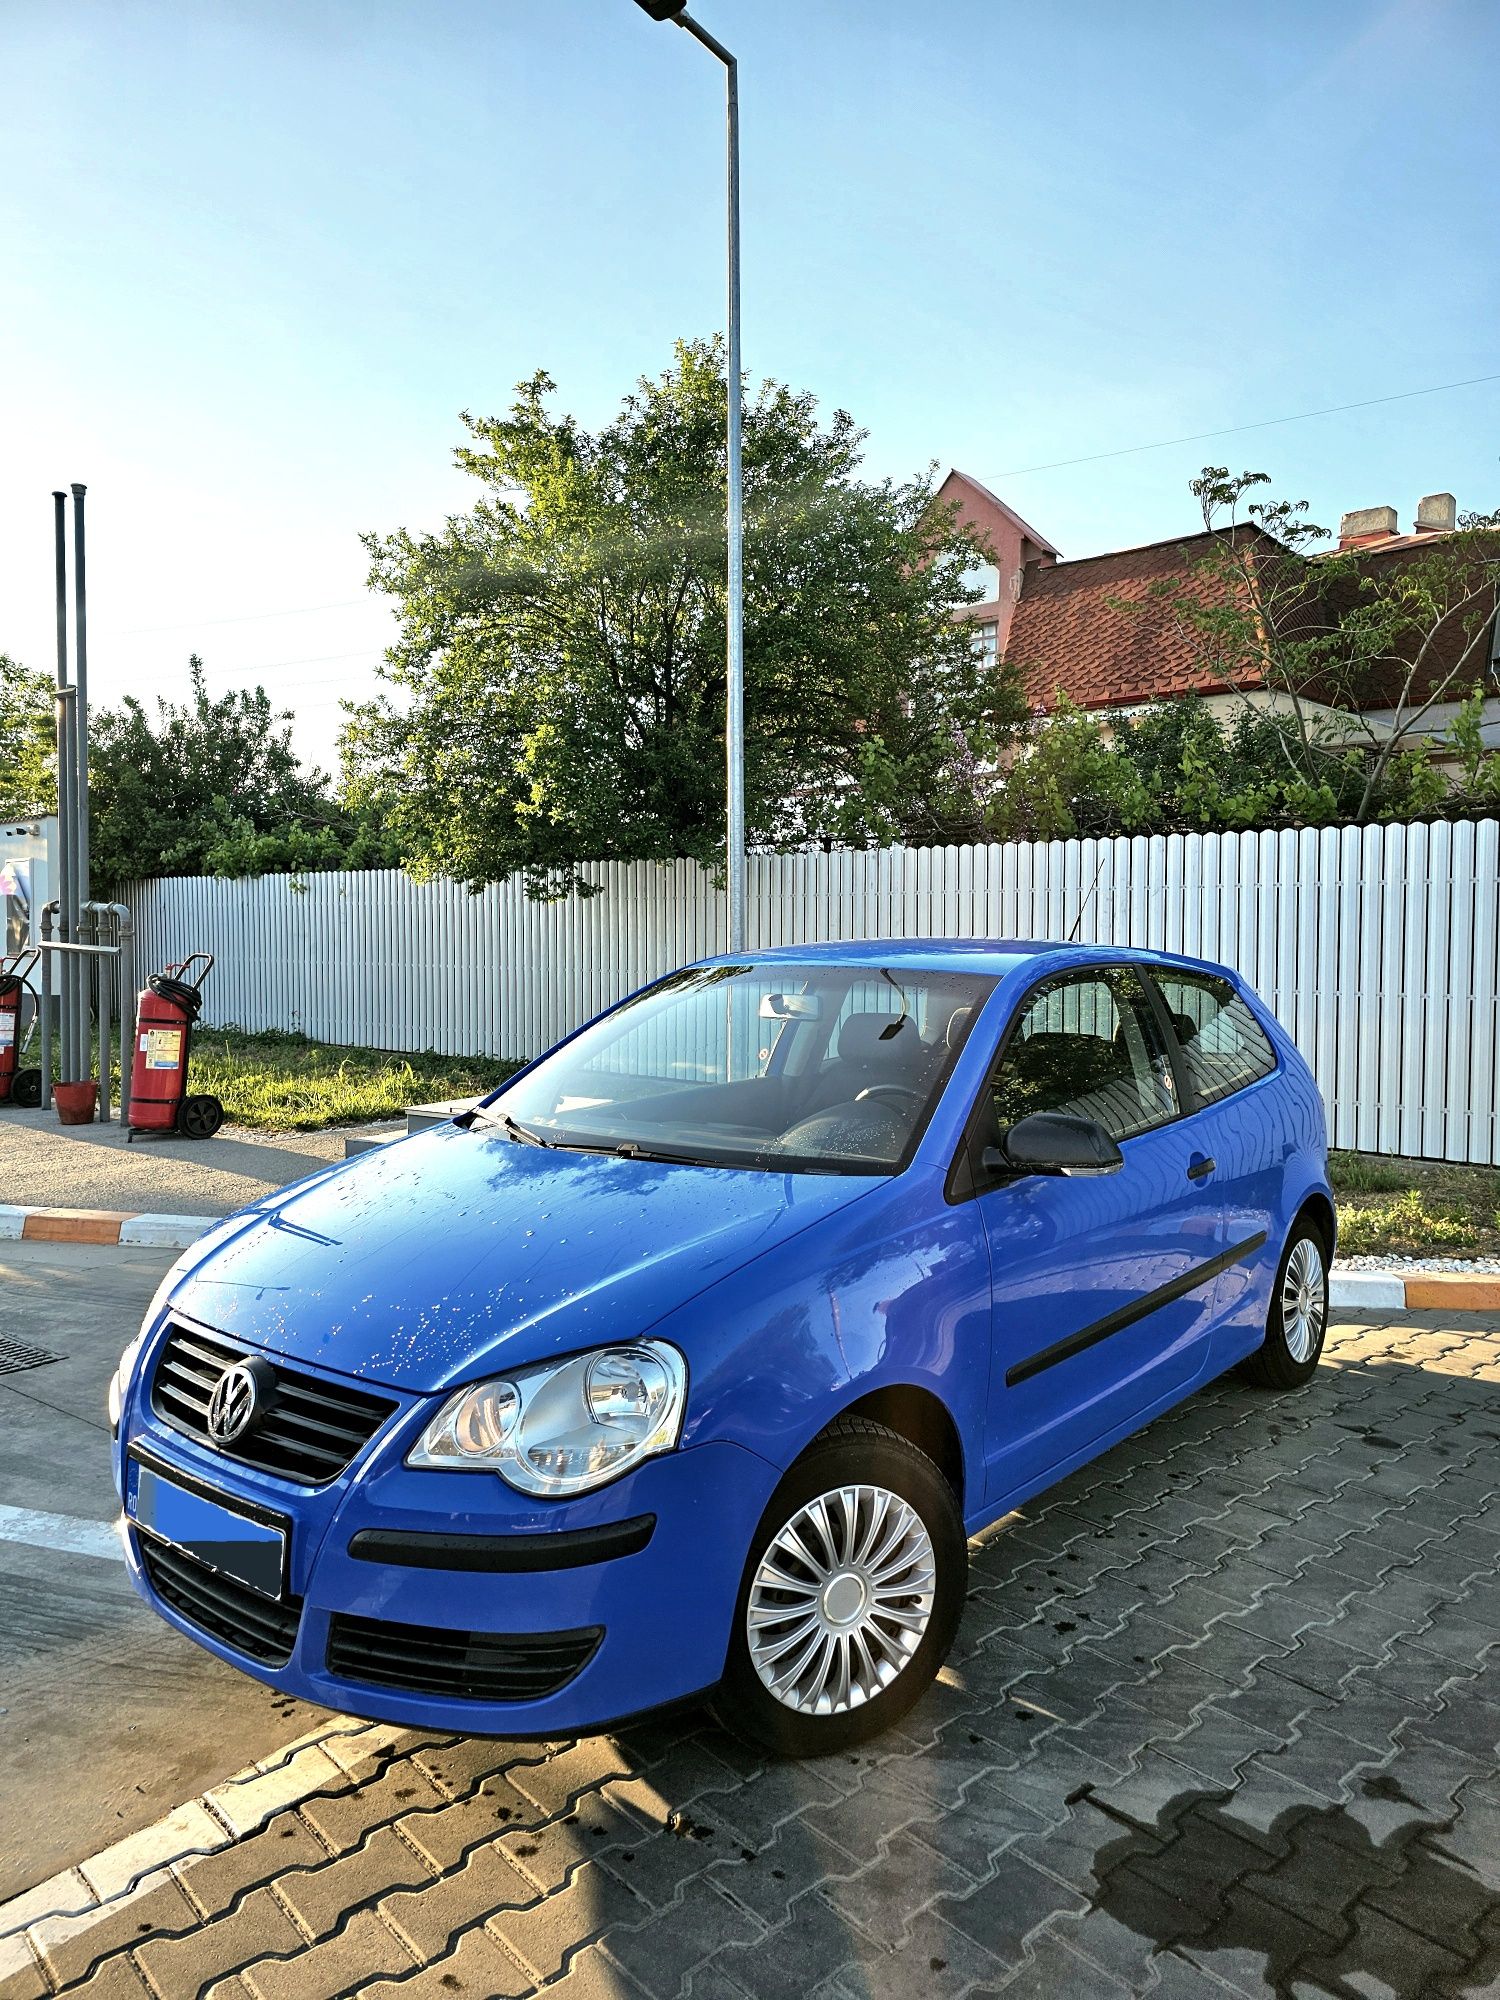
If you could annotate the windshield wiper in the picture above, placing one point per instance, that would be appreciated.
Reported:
(632, 1149)
(512, 1128)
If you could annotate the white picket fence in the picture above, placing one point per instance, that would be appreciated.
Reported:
(1377, 946)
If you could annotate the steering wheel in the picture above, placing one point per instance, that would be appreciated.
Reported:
(887, 1090)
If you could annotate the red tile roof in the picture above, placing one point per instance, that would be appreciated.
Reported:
(1094, 629)
(1461, 644)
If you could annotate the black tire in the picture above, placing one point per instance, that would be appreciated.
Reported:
(199, 1117)
(26, 1089)
(852, 1452)
(1289, 1355)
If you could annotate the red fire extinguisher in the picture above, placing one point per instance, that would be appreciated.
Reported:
(164, 1019)
(17, 1086)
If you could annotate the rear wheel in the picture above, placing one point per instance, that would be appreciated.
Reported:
(850, 1598)
(199, 1117)
(1298, 1317)
(26, 1088)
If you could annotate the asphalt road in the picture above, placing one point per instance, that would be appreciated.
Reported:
(108, 1719)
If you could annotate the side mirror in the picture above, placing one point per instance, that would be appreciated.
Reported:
(1054, 1142)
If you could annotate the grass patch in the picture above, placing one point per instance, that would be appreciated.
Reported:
(287, 1083)
(1407, 1226)
(1368, 1173)
(1414, 1208)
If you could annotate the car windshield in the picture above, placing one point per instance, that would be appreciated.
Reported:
(810, 1068)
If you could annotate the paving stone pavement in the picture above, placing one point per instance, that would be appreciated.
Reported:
(1217, 1722)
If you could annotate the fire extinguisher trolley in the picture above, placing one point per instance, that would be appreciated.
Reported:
(17, 1086)
(165, 1013)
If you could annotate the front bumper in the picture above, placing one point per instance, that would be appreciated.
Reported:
(656, 1621)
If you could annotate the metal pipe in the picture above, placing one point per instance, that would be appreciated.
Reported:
(81, 682)
(86, 942)
(67, 824)
(65, 923)
(44, 932)
(734, 676)
(93, 921)
(102, 975)
(76, 1002)
(125, 973)
(734, 748)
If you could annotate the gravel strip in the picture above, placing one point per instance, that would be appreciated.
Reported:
(1475, 1266)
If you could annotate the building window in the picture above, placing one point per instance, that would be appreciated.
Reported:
(987, 642)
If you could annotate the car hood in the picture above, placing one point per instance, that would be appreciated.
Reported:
(419, 1263)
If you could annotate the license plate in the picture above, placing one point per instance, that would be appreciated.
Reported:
(253, 1551)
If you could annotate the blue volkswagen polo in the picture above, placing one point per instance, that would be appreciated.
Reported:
(686, 1362)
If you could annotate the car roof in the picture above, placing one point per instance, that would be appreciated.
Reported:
(996, 956)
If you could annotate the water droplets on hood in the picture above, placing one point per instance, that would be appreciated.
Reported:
(426, 1281)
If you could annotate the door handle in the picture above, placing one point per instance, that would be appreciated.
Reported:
(1201, 1167)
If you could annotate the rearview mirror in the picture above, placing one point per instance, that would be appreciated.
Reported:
(791, 1007)
(1054, 1142)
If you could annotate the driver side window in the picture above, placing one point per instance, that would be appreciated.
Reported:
(1087, 1043)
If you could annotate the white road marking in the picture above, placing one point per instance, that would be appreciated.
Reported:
(68, 1534)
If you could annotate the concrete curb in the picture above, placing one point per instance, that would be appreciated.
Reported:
(100, 1225)
(1350, 1291)
(1422, 1291)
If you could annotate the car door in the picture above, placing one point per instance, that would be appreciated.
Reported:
(1103, 1290)
(1223, 1054)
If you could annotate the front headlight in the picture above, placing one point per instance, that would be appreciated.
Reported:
(562, 1427)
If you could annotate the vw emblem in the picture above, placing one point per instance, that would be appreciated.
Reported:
(235, 1403)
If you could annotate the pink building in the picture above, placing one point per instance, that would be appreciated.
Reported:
(1014, 545)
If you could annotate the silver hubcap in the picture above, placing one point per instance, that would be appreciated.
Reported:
(1304, 1300)
(841, 1599)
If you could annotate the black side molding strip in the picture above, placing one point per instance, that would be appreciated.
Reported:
(1123, 1316)
(571, 1548)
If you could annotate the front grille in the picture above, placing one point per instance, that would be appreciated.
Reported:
(309, 1431)
(470, 1666)
(221, 1605)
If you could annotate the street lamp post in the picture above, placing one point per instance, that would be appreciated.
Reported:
(734, 678)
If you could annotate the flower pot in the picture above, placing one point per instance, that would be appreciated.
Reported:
(76, 1102)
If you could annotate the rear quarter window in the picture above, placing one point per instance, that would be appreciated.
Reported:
(1223, 1045)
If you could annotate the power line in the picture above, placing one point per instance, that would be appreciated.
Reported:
(305, 660)
(1015, 472)
(1233, 430)
(243, 618)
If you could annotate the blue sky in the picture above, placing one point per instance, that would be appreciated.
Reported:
(257, 256)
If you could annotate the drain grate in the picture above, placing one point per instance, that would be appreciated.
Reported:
(16, 1355)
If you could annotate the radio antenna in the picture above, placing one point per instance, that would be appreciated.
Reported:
(1078, 920)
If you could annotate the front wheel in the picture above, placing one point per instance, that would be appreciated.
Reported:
(1298, 1317)
(851, 1595)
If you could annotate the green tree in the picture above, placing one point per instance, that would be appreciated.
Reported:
(1204, 775)
(558, 685)
(210, 786)
(28, 741)
(1336, 663)
(1066, 779)
(1479, 765)
(1355, 650)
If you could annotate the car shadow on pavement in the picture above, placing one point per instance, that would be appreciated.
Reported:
(1333, 1910)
